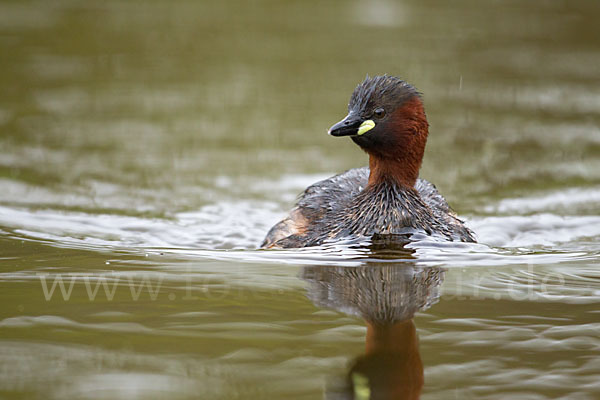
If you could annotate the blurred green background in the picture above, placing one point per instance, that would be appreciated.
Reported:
(147, 138)
(167, 96)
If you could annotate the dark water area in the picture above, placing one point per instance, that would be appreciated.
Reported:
(148, 146)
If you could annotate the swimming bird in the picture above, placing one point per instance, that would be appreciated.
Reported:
(386, 118)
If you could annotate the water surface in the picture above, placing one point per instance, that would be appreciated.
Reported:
(147, 147)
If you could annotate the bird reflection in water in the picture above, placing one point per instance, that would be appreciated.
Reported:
(386, 295)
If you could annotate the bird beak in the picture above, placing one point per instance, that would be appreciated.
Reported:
(352, 125)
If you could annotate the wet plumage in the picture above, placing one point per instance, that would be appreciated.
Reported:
(342, 207)
(386, 119)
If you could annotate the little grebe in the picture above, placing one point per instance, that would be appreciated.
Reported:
(387, 120)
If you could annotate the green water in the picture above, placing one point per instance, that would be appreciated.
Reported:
(148, 146)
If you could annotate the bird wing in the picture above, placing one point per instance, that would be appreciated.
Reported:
(432, 197)
(314, 203)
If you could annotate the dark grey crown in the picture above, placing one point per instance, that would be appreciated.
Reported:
(382, 90)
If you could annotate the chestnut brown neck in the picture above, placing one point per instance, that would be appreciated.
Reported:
(392, 171)
(400, 337)
(396, 347)
(399, 162)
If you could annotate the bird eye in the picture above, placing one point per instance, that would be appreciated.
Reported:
(379, 113)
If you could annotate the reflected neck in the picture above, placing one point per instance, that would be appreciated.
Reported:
(400, 337)
(392, 360)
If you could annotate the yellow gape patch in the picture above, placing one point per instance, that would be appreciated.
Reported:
(366, 127)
